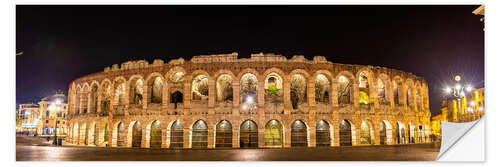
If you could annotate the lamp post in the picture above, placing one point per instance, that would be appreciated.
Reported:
(56, 106)
(458, 92)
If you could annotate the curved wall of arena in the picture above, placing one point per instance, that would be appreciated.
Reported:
(266, 100)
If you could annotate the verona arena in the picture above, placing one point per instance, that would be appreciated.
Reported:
(265, 101)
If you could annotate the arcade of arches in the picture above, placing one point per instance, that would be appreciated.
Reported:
(204, 103)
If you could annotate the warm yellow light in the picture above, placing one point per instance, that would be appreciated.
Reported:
(480, 108)
(472, 103)
(469, 88)
(457, 78)
(448, 90)
(458, 86)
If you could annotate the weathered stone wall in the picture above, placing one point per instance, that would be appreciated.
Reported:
(212, 112)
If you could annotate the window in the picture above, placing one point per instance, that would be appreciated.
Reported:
(57, 122)
(47, 114)
(46, 121)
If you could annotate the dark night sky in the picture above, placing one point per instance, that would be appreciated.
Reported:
(61, 43)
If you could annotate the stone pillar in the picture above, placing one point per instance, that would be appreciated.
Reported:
(335, 95)
(236, 138)
(165, 100)
(236, 98)
(146, 97)
(187, 97)
(99, 99)
(164, 135)
(356, 96)
(286, 96)
(376, 133)
(145, 137)
(211, 137)
(336, 133)
(211, 96)
(311, 136)
(261, 97)
(356, 135)
(187, 137)
(261, 134)
(288, 138)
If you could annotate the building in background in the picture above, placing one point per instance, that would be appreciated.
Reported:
(472, 107)
(436, 128)
(27, 118)
(43, 118)
(53, 112)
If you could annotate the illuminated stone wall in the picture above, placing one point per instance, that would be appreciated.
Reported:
(266, 88)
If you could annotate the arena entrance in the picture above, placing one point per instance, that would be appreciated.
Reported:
(136, 134)
(345, 135)
(383, 134)
(299, 134)
(176, 135)
(200, 134)
(273, 135)
(249, 135)
(224, 134)
(322, 134)
(155, 133)
(120, 135)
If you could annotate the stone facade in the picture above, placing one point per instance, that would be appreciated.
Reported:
(207, 101)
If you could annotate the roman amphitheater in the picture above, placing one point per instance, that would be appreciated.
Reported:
(265, 101)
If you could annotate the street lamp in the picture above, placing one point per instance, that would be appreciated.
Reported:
(458, 92)
(56, 106)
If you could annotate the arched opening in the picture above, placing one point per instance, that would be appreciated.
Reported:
(409, 95)
(322, 87)
(249, 137)
(136, 92)
(382, 93)
(200, 134)
(224, 88)
(85, 100)
(322, 134)
(78, 99)
(420, 134)
(418, 98)
(176, 98)
(345, 134)
(93, 99)
(365, 134)
(120, 135)
(224, 134)
(156, 89)
(397, 90)
(136, 134)
(273, 85)
(155, 135)
(273, 134)
(199, 89)
(400, 133)
(299, 134)
(106, 98)
(383, 134)
(120, 92)
(176, 135)
(364, 89)
(248, 88)
(344, 90)
(298, 91)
